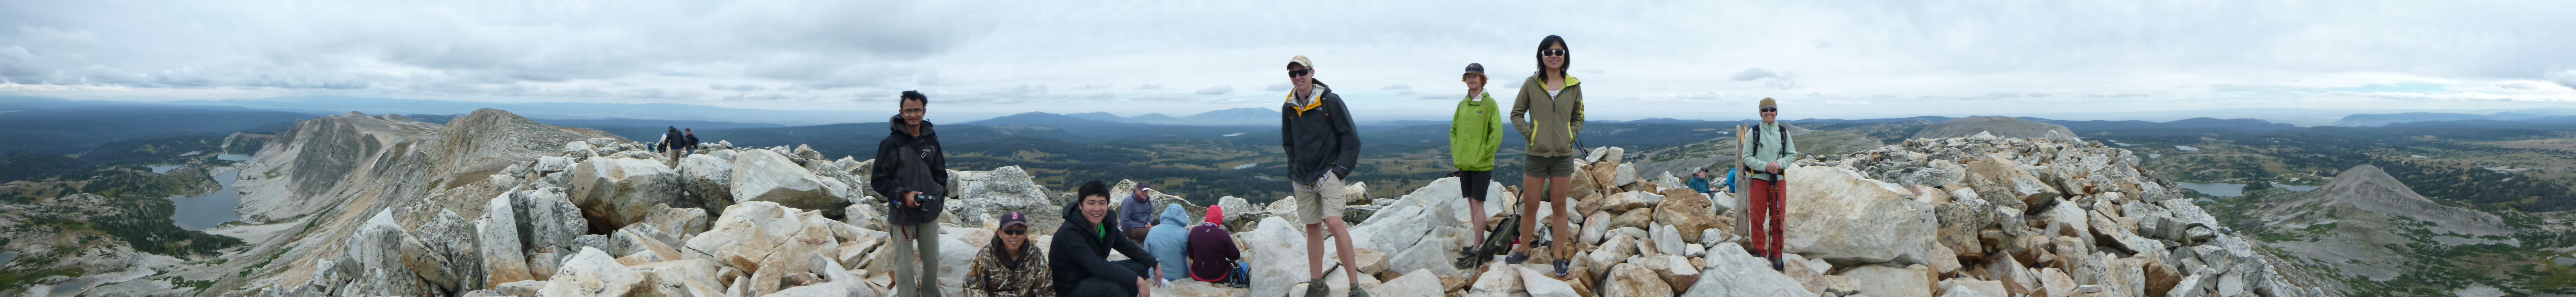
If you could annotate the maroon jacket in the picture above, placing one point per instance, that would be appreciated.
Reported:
(1212, 253)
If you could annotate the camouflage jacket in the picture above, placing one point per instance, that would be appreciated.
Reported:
(993, 276)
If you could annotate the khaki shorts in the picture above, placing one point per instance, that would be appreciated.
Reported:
(1538, 166)
(1324, 198)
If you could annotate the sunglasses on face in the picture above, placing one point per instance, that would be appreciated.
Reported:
(1300, 72)
(1553, 52)
(1770, 110)
(1015, 231)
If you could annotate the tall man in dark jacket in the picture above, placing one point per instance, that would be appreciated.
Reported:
(1322, 145)
(1080, 253)
(910, 172)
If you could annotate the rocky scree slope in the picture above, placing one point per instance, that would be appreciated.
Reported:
(1979, 216)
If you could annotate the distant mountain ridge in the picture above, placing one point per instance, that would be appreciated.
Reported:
(1221, 117)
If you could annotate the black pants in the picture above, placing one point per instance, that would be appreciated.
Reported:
(1104, 287)
(1472, 184)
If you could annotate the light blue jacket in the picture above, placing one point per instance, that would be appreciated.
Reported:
(1169, 241)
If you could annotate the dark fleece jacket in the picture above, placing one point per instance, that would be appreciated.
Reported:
(924, 157)
(1081, 250)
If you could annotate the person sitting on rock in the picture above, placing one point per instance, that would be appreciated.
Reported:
(1212, 254)
(1080, 253)
(1011, 267)
(911, 174)
(1168, 241)
(1137, 213)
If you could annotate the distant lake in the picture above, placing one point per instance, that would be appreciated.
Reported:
(13, 255)
(2214, 189)
(2186, 148)
(214, 208)
(233, 157)
(163, 169)
(2153, 156)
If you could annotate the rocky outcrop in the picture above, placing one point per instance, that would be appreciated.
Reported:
(1985, 216)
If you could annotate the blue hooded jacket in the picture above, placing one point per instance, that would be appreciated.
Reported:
(1169, 241)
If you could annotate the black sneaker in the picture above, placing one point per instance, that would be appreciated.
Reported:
(1516, 258)
(1563, 267)
(1776, 265)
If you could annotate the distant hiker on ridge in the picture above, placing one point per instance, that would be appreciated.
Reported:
(910, 175)
(1475, 132)
(1322, 145)
(688, 139)
(1549, 112)
(1766, 158)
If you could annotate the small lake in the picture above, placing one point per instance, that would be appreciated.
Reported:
(163, 169)
(2294, 188)
(233, 157)
(5, 257)
(1241, 167)
(76, 284)
(2214, 189)
(2153, 156)
(2186, 148)
(214, 208)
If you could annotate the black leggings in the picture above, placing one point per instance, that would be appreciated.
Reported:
(1103, 287)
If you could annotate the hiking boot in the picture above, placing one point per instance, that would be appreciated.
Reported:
(1316, 288)
(1776, 265)
(1516, 258)
(1357, 292)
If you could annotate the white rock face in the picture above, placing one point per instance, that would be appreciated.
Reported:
(1877, 280)
(708, 180)
(618, 191)
(500, 243)
(1842, 217)
(1417, 283)
(1733, 272)
(762, 175)
(1277, 255)
(1001, 191)
(592, 272)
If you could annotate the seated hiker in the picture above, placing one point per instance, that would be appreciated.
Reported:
(1011, 267)
(1212, 255)
(1080, 254)
(1168, 241)
(1137, 213)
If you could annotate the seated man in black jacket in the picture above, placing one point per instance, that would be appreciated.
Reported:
(1080, 253)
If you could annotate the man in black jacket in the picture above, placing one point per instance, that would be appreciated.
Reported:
(910, 174)
(1322, 145)
(1080, 253)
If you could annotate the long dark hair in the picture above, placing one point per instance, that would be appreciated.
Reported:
(1542, 57)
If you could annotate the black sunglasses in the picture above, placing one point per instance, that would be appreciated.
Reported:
(1553, 52)
(1300, 72)
(1770, 110)
(1015, 231)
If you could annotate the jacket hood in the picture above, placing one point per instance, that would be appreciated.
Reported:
(1216, 215)
(895, 123)
(1172, 215)
(1320, 91)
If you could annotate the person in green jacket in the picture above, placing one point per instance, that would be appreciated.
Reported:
(1767, 160)
(1475, 132)
(1549, 112)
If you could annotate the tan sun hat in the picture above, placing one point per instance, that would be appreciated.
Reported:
(1300, 60)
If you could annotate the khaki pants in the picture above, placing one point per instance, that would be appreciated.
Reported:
(924, 246)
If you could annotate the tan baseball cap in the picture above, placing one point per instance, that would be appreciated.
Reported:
(1300, 61)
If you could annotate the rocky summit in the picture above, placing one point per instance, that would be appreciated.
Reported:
(495, 205)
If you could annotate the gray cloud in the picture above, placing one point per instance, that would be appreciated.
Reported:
(1217, 90)
(1772, 79)
(2563, 78)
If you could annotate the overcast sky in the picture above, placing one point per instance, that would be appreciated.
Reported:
(1395, 59)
